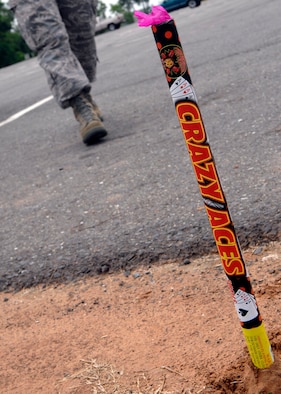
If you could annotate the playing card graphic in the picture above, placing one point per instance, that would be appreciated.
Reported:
(246, 306)
(181, 89)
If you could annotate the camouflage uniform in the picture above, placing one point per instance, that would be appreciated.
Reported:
(62, 33)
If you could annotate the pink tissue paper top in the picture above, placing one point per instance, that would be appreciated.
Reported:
(158, 15)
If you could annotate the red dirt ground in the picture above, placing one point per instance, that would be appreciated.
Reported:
(170, 328)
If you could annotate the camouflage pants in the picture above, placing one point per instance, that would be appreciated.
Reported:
(62, 32)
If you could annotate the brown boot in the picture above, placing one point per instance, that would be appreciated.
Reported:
(88, 115)
(94, 105)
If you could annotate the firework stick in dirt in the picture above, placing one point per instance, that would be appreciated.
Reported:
(184, 98)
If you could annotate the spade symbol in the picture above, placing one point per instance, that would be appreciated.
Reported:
(243, 312)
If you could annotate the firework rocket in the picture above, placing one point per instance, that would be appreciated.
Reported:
(194, 133)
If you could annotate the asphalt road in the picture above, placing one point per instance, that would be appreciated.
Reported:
(69, 210)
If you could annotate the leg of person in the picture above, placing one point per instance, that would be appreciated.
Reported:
(80, 21)
(41, 25)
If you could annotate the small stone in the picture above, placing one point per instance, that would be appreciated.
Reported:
(257, 251)
(272, 271)
(103, 268)
(127, 273)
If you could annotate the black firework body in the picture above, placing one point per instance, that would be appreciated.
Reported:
(188, 112)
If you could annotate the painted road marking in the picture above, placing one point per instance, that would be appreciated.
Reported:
(25, 111)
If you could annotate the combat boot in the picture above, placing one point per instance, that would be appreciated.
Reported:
(89, 116)
(94, 105)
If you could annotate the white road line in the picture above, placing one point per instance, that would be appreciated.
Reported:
(24, 111)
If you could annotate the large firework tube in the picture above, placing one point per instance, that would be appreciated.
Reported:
(187, 109)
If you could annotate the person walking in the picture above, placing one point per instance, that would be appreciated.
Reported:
(62, 32)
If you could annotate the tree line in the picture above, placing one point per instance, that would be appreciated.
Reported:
(13, 48)
(125, 7)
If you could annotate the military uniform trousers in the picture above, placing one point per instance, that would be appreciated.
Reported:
(62, 32)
